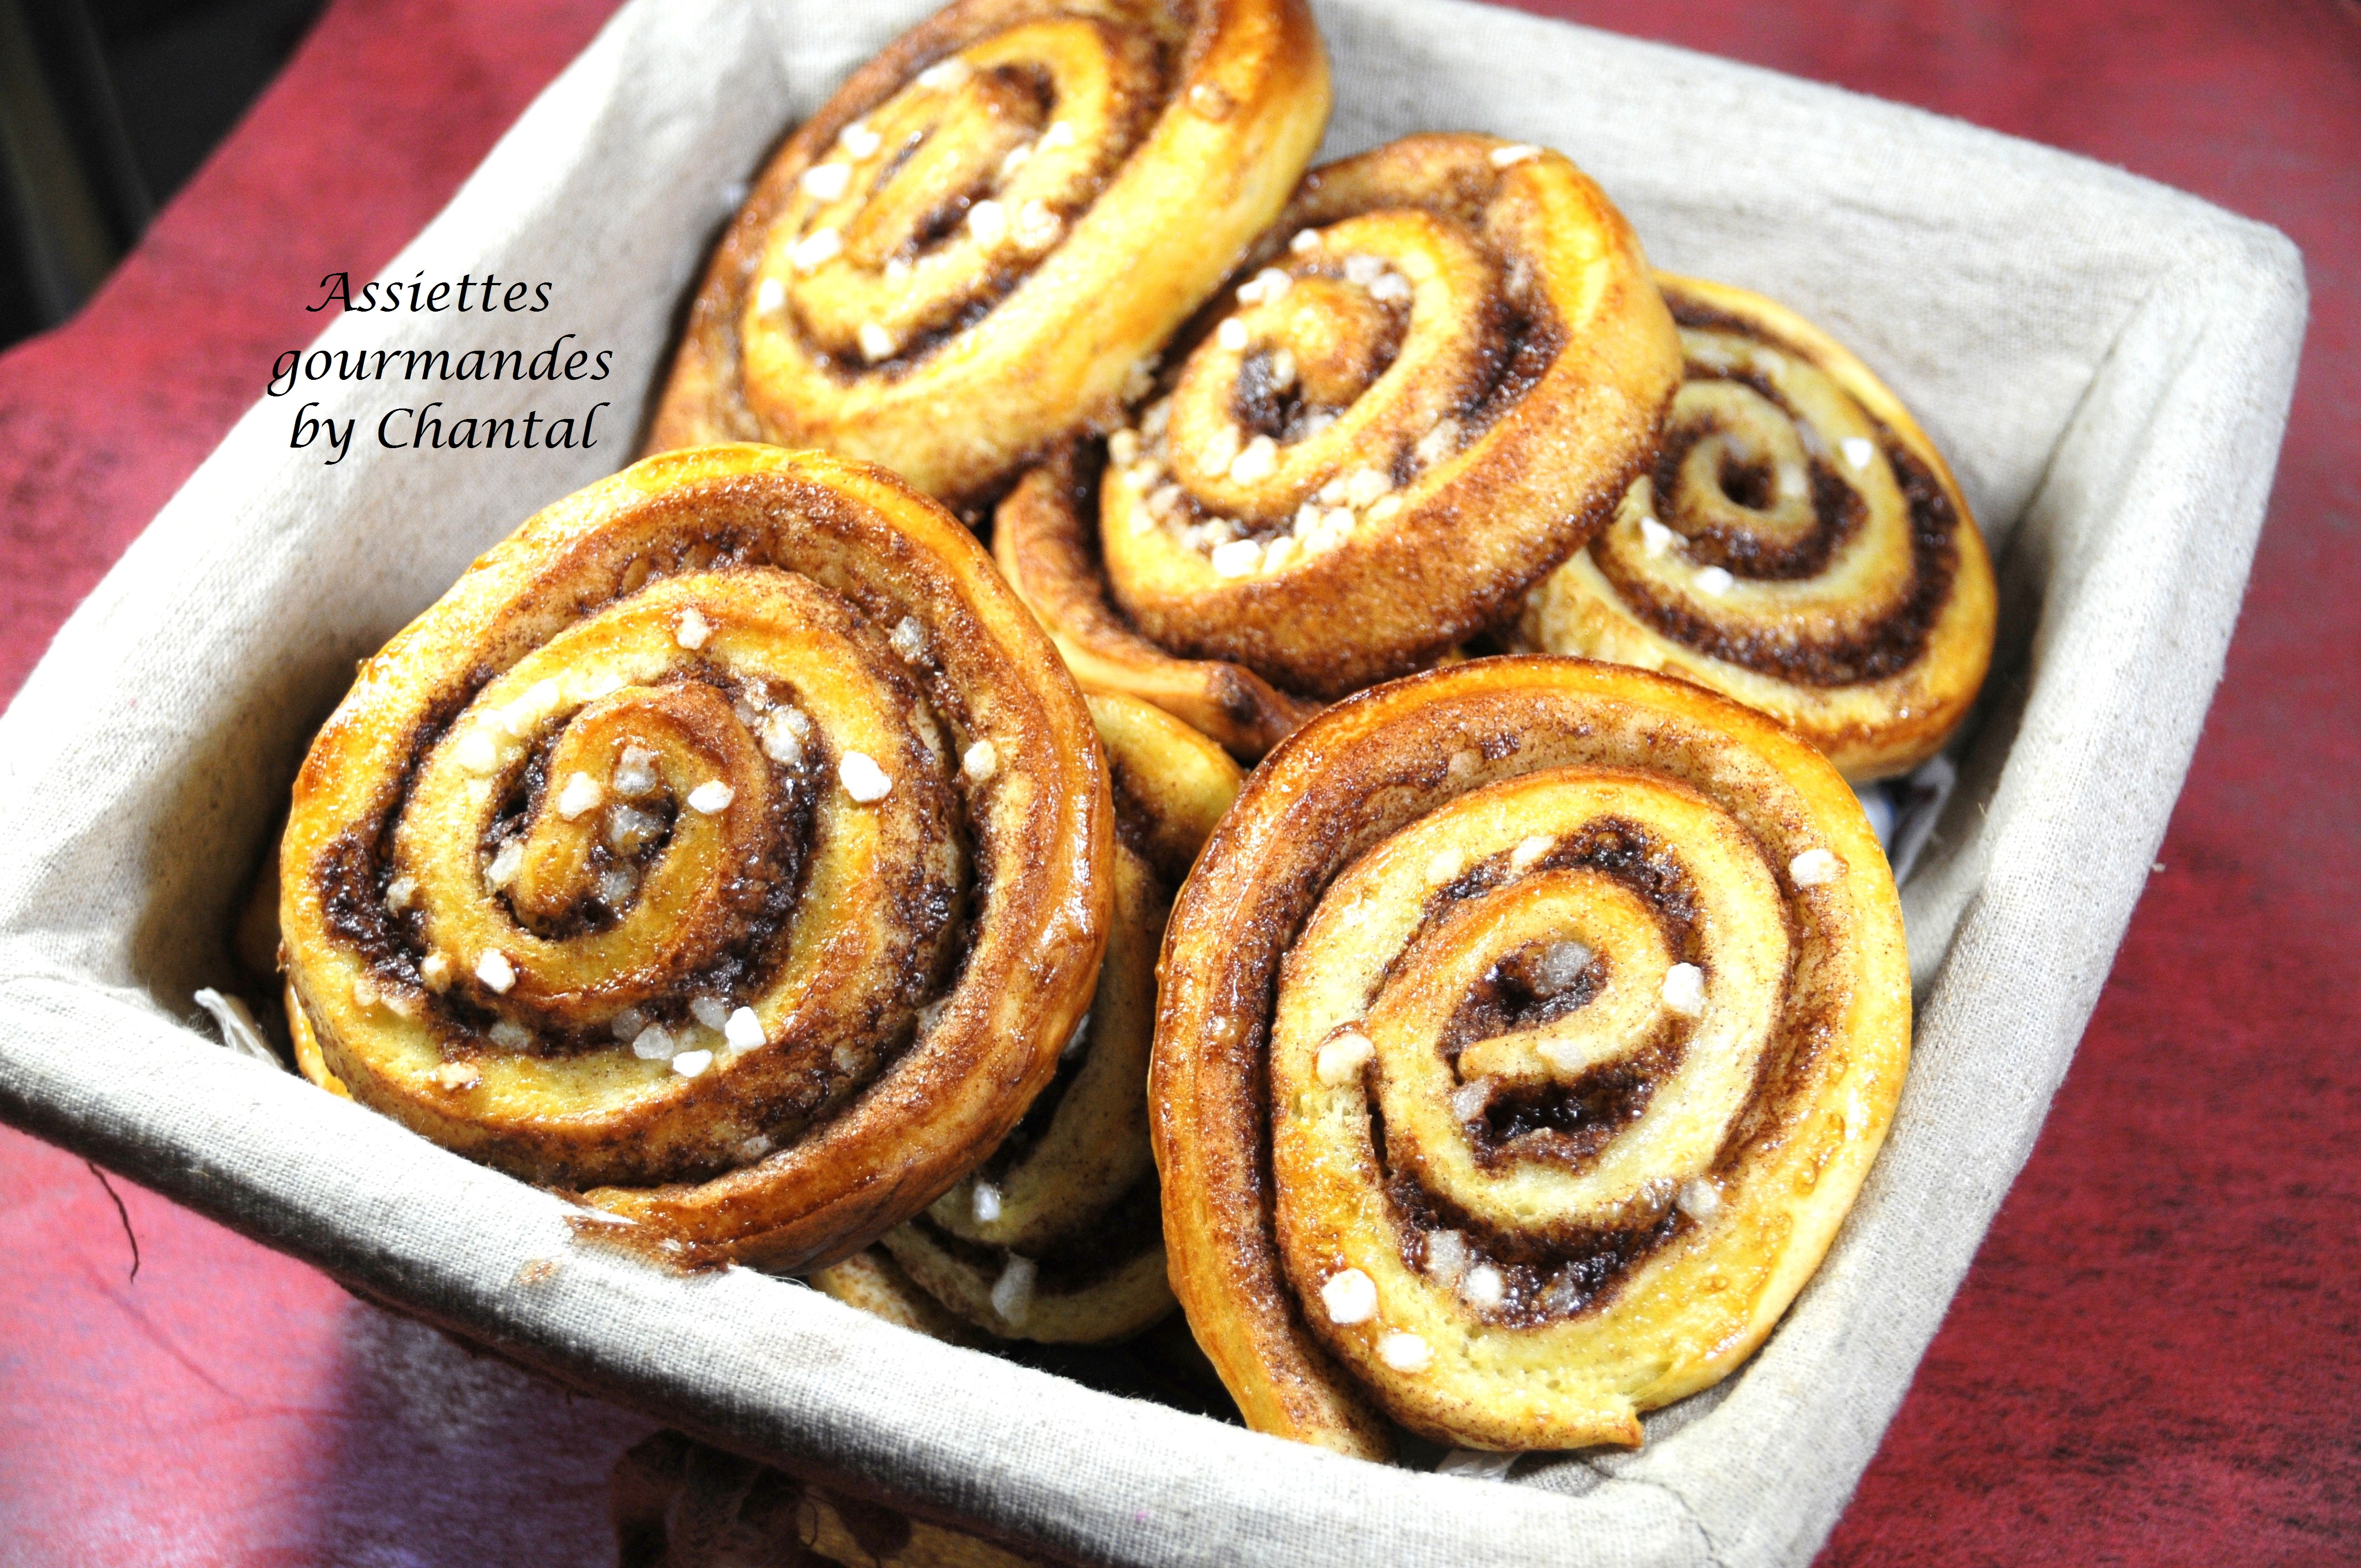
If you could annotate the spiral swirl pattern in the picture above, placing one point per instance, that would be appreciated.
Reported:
(728, 843)
(984, 238)
(1057, 1237)
(1527, 1029)
(1441, 369)
(1800, 545)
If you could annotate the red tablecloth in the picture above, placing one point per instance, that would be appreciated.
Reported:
(2155, 1359)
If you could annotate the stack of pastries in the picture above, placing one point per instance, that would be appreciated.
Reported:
(823, 846)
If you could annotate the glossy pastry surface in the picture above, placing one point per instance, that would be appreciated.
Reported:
(1799, 546)
(985, 236)
(1431, 384)
(1057, 1235)
(726, 846)
(1526, 1030)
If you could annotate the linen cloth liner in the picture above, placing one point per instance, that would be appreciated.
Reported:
(2107, 364)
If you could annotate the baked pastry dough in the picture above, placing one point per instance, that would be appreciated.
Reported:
(872, 1281)
(991, 229)
(1056, 1236)
(1439, 372)
(728, 845)
(1526, 1030)
(676, 1503)
(1800, 545)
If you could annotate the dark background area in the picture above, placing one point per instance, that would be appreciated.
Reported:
(107, 108)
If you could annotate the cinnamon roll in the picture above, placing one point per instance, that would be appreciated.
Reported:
(680, 1504)
(871, 1282)
(1526, 1030)
(728, 847)
(1055, 1235)
(972, 249)
(1799, 544)
(1442, 368)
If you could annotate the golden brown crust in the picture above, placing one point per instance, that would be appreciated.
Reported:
(612, 803)
(1458, 901)
(1043, 546)
(870, 1281)
(1127, 149)
(1055, 1237)
(1850, 599)
(1442, 366)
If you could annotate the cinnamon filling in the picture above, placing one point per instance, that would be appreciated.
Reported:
(1792, 653)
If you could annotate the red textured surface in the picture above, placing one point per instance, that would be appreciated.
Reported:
(2155, 1359)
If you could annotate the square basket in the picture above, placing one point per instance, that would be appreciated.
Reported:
(2106, 363)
